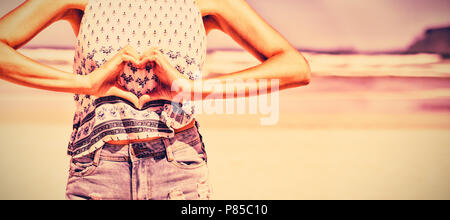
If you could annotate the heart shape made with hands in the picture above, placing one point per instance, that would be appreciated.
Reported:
(137, 78)
(146, 77)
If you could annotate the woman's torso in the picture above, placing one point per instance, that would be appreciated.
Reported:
(175, 27)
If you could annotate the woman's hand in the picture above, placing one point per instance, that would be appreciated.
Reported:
(166, 73)
(172, 85)
(104, 80)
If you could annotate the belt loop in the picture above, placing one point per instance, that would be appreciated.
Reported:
(169, 152)
(197, 125)
(131, 153)
(97, 156)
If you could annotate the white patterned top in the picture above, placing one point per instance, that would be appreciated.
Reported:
(174, 26)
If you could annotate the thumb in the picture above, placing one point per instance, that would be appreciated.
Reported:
(143, 100)
(115, 91)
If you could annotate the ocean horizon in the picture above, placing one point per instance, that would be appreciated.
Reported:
(332, 51)
(323, 63)
(351, 83)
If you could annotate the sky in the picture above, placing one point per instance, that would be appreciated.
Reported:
(367, 25)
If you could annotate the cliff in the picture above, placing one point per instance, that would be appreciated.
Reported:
(436, 40)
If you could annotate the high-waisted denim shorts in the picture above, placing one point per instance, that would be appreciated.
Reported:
(166, 168)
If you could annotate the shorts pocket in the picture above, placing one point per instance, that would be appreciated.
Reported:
(84, 166)
(187, 155)
(81, 169)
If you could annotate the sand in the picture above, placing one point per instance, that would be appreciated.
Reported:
(262, 163)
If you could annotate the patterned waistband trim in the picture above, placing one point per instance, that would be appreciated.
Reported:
(114, 99)
(116, 127)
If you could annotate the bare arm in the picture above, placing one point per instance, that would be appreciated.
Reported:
(32, 17)
(280, 60)
(282, 66)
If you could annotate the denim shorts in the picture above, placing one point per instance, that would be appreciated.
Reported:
(166, 168)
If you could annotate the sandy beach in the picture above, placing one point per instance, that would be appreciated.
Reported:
(261, 162)
(377, 137)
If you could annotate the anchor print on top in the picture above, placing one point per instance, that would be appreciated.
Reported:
(108, 26)
(173, 26)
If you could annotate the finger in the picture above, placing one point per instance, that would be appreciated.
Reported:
(131, 51)
(125, 53)
(148, 59)
(156, 50)
(128, 54)
(153, 59)
(157, 94)
(152, 50)
(144, 99)
(128, 58)
(115, 91)
(118, 60)
(135, 58)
